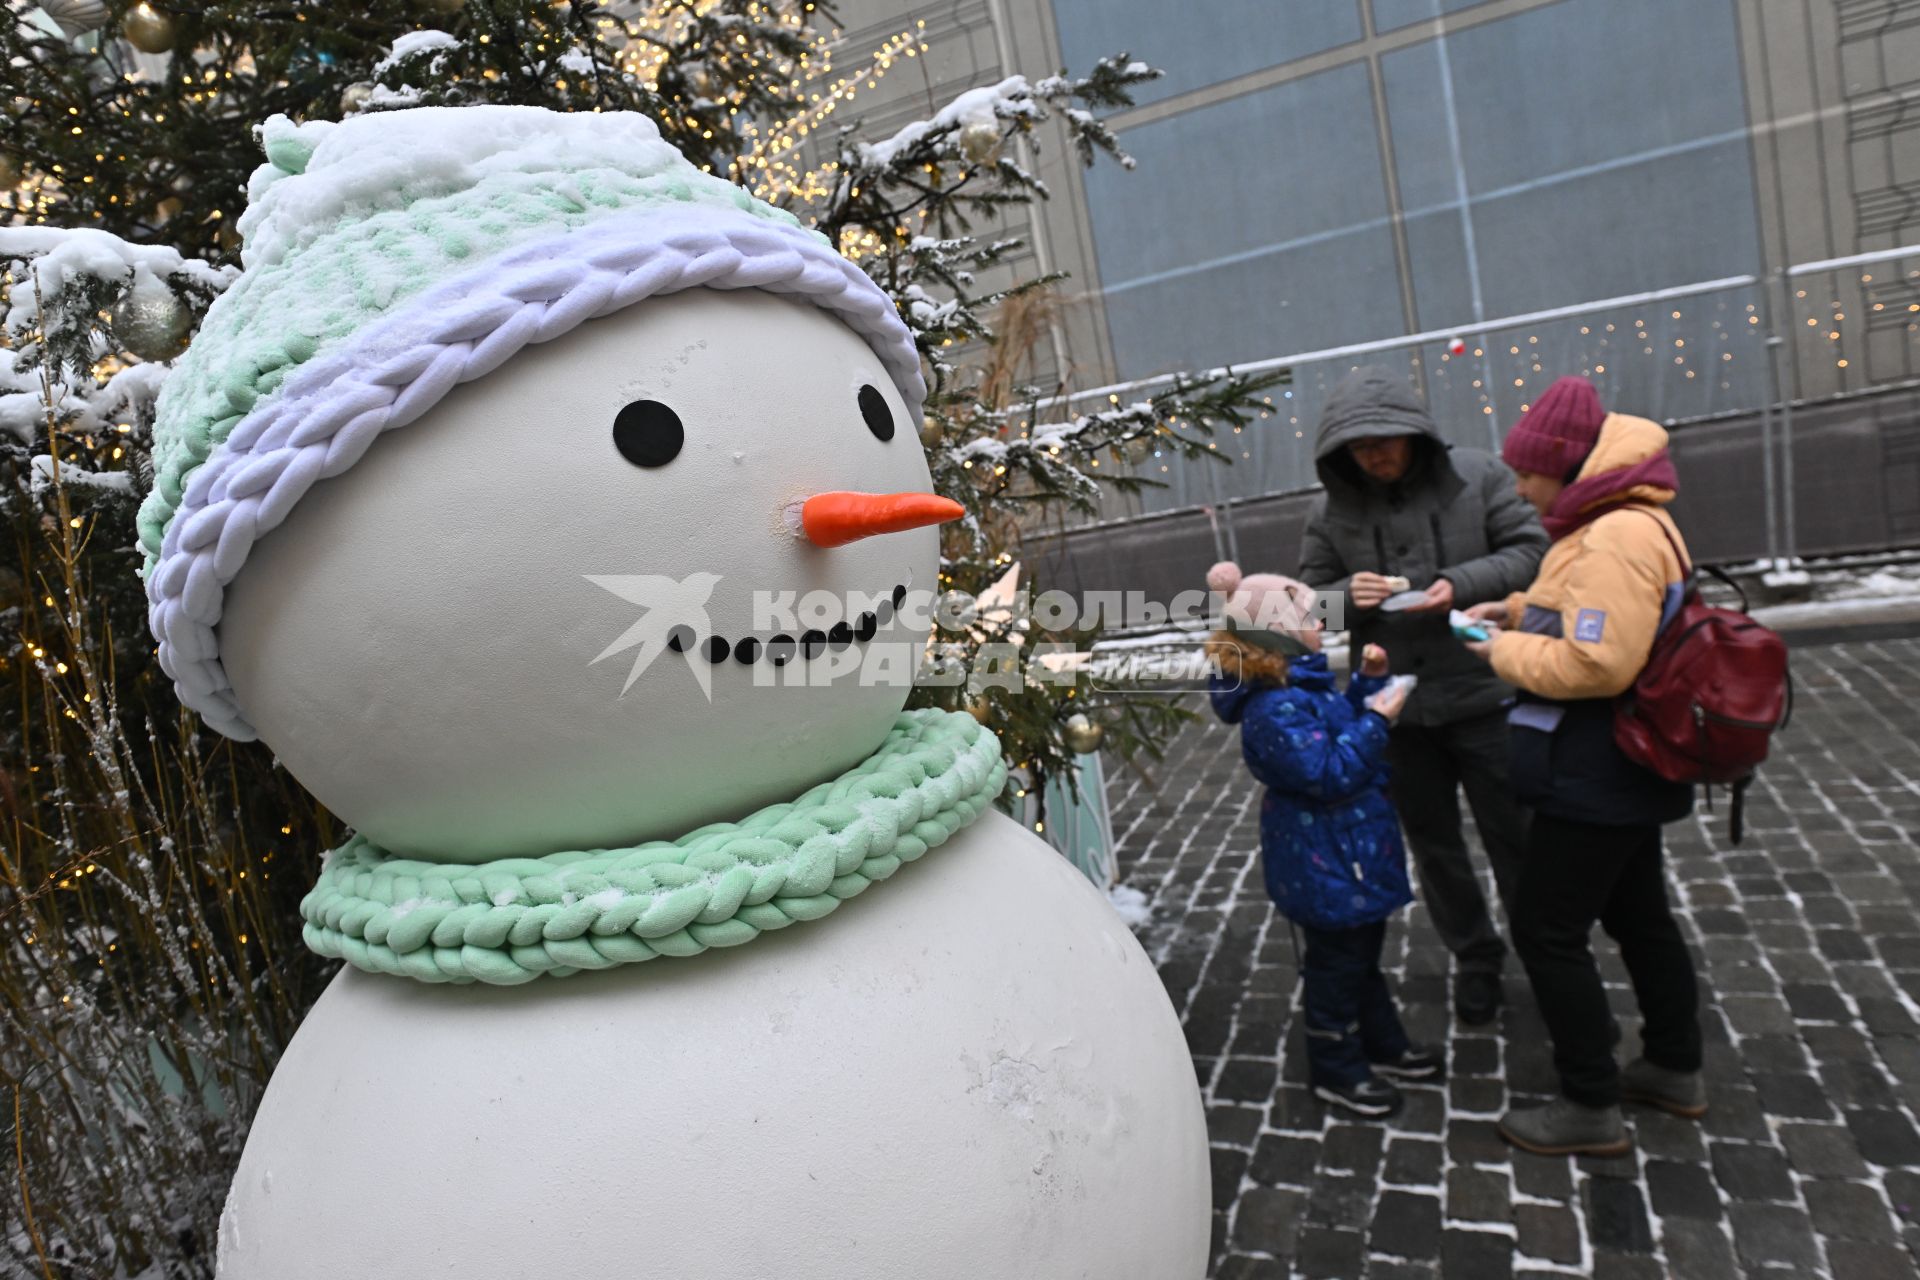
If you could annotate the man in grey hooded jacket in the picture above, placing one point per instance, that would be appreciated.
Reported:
(1400, 502)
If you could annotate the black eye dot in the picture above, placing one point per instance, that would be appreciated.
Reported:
(648, 434)
(680, 638)
(747, 651)
(873, 407)
(716, 649)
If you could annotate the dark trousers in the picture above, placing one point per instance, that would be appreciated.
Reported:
(1577, 873)
(1351, 1021)
(1432, 764)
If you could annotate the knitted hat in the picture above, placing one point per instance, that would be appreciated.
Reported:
(395, 255)
(1558, 432)
(1265, 609)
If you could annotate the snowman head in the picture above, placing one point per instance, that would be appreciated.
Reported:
(649, 549)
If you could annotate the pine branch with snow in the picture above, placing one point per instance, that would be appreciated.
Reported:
(905, 206)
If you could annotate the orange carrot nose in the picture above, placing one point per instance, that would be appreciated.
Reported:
(835, 519)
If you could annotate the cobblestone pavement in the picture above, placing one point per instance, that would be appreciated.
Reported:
(1808, 942)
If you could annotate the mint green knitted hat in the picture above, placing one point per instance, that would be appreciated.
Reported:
(389, 258)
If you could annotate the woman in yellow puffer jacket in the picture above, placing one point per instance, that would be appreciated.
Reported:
(1571, 643)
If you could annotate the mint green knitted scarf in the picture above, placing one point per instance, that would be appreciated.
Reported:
(513, 919)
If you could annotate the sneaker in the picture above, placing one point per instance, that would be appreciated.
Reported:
(1372, 1097)
(1681, 1093)
(1565, 1128)
(1477, 997)
(1416, 1062)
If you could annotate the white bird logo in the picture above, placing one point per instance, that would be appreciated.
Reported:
(668, 603)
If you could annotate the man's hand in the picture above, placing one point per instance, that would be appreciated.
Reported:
(1439, 598)
(1494, 611)
(1373, 661)
(1367, 590)
(1389, 702)
(1483, 649)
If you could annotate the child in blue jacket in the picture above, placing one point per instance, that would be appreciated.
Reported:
(1329, 841)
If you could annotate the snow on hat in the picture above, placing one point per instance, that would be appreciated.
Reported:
(394, 255)
(1558, 432)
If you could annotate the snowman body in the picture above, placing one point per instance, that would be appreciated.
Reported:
(970, 1072)
(450, 630)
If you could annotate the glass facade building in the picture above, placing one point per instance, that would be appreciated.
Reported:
(1318, 174)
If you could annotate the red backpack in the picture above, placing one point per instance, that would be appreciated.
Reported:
(1714, 689)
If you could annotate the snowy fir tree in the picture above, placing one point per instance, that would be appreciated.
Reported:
(151, 968)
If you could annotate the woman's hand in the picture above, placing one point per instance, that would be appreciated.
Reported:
(1389, 702)
(1373, 661)
(1483, 649)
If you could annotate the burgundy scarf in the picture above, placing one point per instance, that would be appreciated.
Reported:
(1586, 499)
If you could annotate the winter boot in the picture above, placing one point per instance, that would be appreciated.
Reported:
(1683, 1093)
(1477, 997)
(1565, 1128)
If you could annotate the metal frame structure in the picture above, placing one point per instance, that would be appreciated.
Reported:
(1776, 415)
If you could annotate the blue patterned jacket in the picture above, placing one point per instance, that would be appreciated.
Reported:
(1329, 840)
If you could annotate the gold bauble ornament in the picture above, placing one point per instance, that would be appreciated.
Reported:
(77, 17)
(152, 324)
(979, 708)
(169, 209)
(930, 433)
(1082, 734)
(9, 172)
(701, 81)
(227, 234)
(980, 141)
(355, 97)
(148, 30)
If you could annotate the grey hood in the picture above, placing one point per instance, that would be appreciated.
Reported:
(1371, 401)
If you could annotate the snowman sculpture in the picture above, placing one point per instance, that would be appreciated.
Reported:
(470, 497)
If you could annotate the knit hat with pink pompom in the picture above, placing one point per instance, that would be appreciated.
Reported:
(1268, 609)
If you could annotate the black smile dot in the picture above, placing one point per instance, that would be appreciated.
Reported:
(747, 651)
(883, 611)
(813, 644)
(716, 649)
(899, 595)
(839, 636)
(873, 407)
(864, 627)
(780, 650)
(648, 434)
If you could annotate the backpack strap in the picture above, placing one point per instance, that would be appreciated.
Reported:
(1686, 566)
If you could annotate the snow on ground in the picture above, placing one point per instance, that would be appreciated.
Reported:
(1134, 906)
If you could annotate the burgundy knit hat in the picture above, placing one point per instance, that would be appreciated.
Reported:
(1558, 432)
